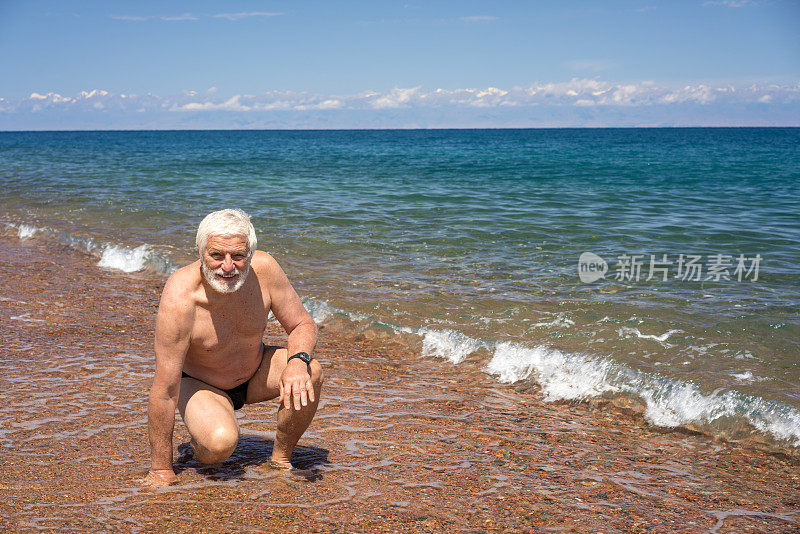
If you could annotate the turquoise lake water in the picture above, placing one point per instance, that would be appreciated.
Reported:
(466, 245)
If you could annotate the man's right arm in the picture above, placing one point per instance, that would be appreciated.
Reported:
(173, 330)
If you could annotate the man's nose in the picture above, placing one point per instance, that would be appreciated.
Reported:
(227, 264)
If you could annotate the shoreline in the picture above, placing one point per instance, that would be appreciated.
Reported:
(400, 443)
(741, 415)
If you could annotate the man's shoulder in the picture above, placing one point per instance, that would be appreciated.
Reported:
(182, 285)
(184, 278)
(263, 262)
(178, 305)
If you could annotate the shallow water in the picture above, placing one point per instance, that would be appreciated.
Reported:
(400, 442)
(464, 245)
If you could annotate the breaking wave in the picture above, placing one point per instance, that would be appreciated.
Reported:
(667, 403)
(125, 259)
(24, 231)
(448, 344)
(319, 310)
(109, 255)
(561, 375)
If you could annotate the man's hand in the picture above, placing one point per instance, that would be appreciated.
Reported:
(296, 386)
(157, 478)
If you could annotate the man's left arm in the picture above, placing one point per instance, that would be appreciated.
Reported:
(295, 380)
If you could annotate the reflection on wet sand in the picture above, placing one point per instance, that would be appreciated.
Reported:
(399, 442)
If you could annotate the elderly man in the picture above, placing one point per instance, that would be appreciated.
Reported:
(210, 359)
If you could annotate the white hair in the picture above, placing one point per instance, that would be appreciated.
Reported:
(226, 223)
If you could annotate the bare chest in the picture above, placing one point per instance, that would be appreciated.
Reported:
(222, 331)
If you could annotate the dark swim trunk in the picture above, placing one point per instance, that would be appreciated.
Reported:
(237, 394)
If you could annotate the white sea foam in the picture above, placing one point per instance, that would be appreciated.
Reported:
(448, 344)
(356, 316)
(561, 319)
(627, 331)
(778, 420)
(406, 330)
(747, 377)
(125, 259)
(573, 376)
(25, 231)
(110, 255)
(668, 403)
(700, 350)
(319, 310)
(561, 375)
(671, 403)
(26, 318)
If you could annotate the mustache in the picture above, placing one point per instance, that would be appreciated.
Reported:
(221, 272)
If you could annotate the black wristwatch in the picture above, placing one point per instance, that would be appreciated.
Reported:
(306, 357)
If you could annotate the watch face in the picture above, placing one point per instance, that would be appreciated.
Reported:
(303, 356)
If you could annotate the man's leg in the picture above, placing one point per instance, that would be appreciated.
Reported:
(265, 385)
(208, 414)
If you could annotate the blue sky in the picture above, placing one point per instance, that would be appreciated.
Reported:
(398, 64)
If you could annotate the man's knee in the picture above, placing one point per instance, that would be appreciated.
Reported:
(218, 445)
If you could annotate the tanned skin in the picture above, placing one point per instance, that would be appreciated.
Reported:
(216, 338)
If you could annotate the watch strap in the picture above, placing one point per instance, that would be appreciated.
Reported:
(306, 357)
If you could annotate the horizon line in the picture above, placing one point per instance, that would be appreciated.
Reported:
(695, 127)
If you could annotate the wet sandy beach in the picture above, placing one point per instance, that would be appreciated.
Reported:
(400, 443)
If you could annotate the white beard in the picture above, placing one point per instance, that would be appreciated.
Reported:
(221, 285)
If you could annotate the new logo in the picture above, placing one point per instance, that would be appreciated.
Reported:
(591, 267)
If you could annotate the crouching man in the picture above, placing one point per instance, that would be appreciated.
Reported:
(210, 359)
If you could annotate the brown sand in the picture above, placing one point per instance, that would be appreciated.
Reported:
(400, 443)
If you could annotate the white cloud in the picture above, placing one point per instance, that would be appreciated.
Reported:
(232, 104)
(133, 18)
(702, 94)
(394, 98)
(578, 93)
(331, 103)
(185, 16)
(191, 17)
(53, 98)
(625, 94)
(491, 92)
(240, 16)
(479, 18)
(91, 94)
(729, 3)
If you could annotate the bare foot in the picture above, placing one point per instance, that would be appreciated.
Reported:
(279, 464)
(159, 478)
